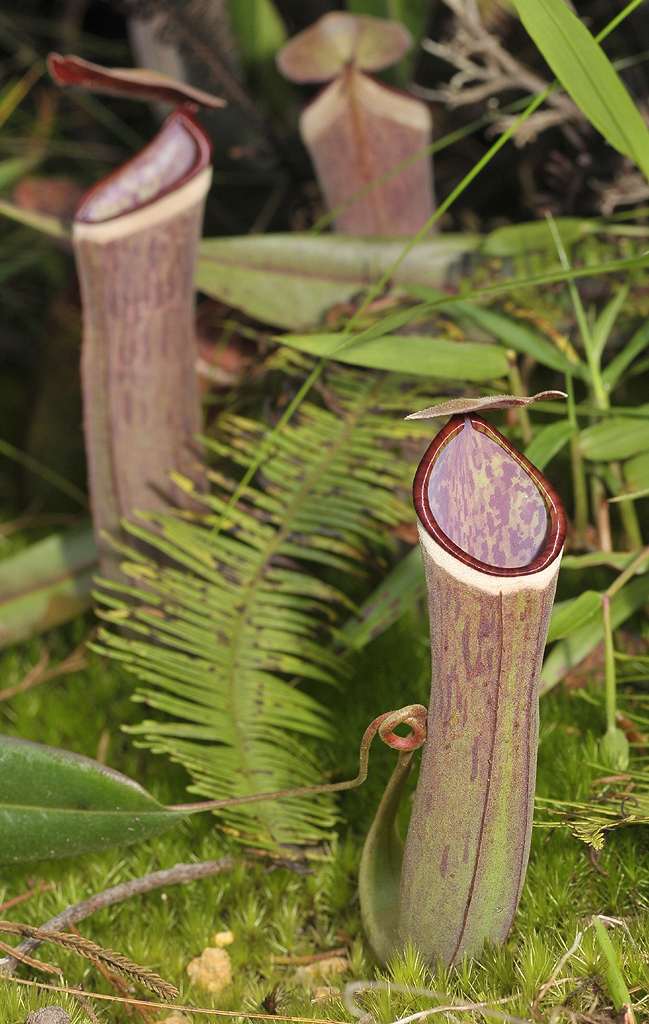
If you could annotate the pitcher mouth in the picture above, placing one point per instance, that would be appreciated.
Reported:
(178, 153)
(555, 533)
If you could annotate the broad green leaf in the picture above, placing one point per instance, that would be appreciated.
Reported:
(518, 239)
(587, 75)
(636, 472)
(54, 803)
(570, 616)
(291, 280)
(548, 442)
(391, 599)
(414, 354)
(614, 438)
(571, 651)
(46, 584)
(617, 366)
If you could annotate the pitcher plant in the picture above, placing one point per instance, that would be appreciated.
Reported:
(491, 530)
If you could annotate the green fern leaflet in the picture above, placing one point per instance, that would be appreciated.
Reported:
(230, 621)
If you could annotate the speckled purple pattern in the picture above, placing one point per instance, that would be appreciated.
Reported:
(486, 503)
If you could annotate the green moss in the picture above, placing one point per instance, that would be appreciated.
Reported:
(279, 912)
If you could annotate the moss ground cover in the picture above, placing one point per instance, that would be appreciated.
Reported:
(278, 913)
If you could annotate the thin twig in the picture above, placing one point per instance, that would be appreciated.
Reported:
(485, 68)
(352, 987)
(176, 1006)
(177, 875)
(27, 895)
(75, 662)
(555, 974)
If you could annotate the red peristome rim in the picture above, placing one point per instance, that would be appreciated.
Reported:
(558, 521)
(203, 157)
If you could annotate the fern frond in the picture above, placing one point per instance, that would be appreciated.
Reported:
(612, 806)
(221, 628)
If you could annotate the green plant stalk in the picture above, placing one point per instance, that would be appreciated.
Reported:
(580, 488)
(516, 385)
(600, 394)
(628, 515)
(609, 662)
(614, 745)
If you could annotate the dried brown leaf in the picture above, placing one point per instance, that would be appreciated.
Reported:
(463, 406)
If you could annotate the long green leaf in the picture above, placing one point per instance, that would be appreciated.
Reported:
(633, 348)
(393, 597)
(570, 616)
(54, 803)
(606, 320)
(521, 338)
(46, 584)
(508, 331)
(548, 442)
(413, 354)
(291, 280)
(535, 236)
(614, 438)
(571, 651)
(587, 75)
(52, 226)
(616, 983)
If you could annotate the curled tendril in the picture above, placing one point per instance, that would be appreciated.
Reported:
(628, 799)
(414, 716)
